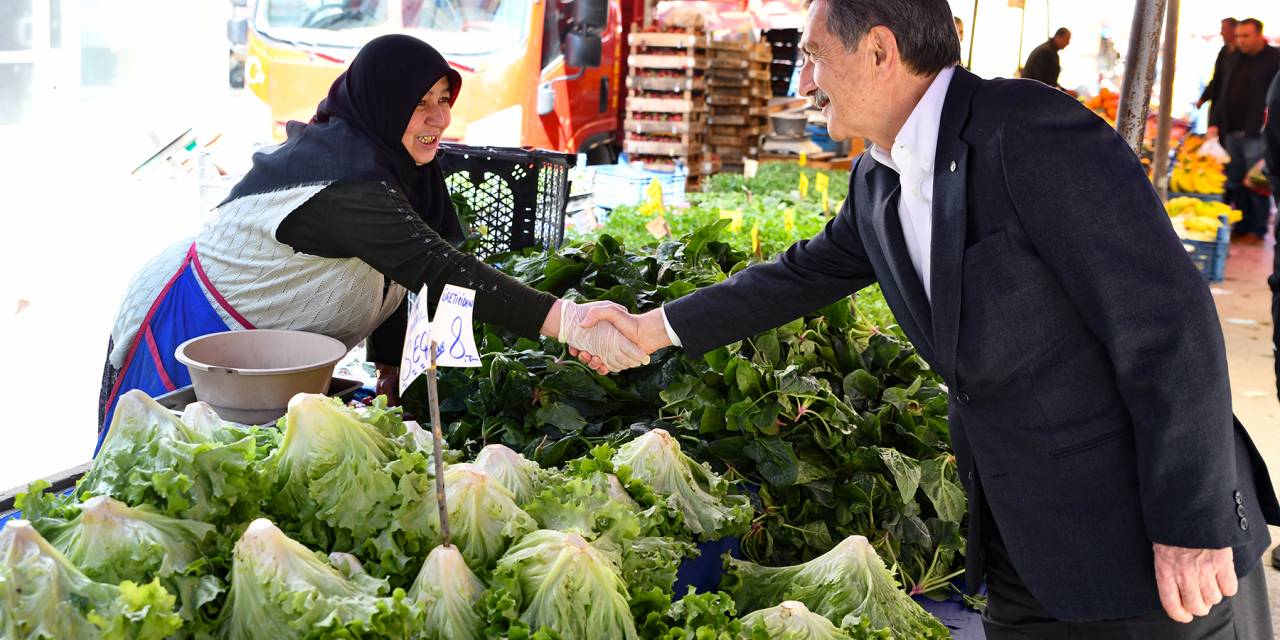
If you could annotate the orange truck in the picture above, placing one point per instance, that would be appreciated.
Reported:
(539, 73)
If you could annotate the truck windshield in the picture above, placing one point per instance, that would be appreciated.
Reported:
(322, 14)
(469, 27)
(454, 27)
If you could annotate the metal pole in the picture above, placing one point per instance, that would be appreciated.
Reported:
(973, 33)
(1160, 163)
(1022, 29)
(1139, 71)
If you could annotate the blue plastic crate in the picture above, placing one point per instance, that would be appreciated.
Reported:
(622, 184)
(1211, 257)
(1208, 197)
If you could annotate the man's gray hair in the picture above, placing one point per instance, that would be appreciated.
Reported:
(925, 29)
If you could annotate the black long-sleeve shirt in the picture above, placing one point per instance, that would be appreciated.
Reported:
(1043, 64)
(1211, 90)
(1244, 90)
(374, 222)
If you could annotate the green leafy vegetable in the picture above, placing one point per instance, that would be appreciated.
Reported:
(553, 582)
(447, 592)
(790, 621)
(151, 457)
(112, 542)
(710, 511)
(44, 596)
(483, 517)
(282, 590)
(848, 585)
(521, 476)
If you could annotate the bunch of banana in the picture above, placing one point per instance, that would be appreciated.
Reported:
(1195, 172)
(1196, 219)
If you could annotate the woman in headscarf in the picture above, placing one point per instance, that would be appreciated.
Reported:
(327, 231)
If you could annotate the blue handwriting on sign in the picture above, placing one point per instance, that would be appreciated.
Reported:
(455, 298)
(458, 347)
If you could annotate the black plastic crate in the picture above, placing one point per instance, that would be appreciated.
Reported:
(519, 195)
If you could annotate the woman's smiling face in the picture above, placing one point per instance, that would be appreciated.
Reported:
(429, 120)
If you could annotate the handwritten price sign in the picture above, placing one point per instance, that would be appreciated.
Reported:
(450, 332)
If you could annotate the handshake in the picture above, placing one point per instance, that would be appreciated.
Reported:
(606, 337)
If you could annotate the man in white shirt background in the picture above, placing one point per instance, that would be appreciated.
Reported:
(1024, 253)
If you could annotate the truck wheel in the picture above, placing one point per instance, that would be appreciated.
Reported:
(602, 154)
(236, 75)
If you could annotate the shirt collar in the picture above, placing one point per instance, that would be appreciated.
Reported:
(917, 142)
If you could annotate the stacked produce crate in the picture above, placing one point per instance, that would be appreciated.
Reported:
(666, 101)
(738, 90)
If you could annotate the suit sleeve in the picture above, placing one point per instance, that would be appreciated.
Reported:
(810, 275)
(1086, 204)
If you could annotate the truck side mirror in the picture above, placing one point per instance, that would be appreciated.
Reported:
(546, 99)
(582, 50)
(593, 14)
(238, 31)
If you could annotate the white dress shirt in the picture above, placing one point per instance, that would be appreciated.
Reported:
(911, 158)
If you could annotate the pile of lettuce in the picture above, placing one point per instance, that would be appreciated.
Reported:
(338, 534)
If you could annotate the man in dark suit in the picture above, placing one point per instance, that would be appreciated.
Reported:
(1271, 136)
(1024, 252)
(1043, 63)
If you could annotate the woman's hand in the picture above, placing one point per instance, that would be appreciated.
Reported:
(388, 383)
(602, 347)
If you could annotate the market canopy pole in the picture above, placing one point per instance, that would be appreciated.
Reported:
(973, 31)
(1139, 71)
(1160, 163)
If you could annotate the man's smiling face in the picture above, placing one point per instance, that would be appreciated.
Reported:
(841, 82)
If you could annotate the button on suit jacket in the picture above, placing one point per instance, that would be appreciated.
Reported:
(1090, 406)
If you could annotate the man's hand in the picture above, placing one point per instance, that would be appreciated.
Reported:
(1211, 132)
(388, 383)
(648, 330)
(597, 343)
(1193, 580)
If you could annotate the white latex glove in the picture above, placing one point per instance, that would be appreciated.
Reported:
(603, 340)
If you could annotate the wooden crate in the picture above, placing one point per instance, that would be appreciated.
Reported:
(663, 105)
(668, 149)
(677, 40)
(662, 126)
(656, 83)
(647, 61)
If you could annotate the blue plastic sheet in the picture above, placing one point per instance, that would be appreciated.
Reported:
(703, 573)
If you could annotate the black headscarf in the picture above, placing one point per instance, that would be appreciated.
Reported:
(357, 130)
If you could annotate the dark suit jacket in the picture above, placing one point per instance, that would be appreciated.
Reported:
(1210, 93)
(1043, 64)
(1085, 363)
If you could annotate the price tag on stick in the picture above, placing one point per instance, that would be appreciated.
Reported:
(450, 331)
(445, 341)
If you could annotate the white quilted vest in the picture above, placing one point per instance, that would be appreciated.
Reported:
(264, 281)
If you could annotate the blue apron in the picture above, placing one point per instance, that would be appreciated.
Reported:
(181, 312)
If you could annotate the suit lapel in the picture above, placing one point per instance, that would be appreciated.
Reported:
(888, 229)
(950, 215)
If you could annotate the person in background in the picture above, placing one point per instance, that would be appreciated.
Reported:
(1210, 93)
(959, 28)
(1043, 64)
(1243, 98)
(1271, 138)
(1112, 493)
(326, 232)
